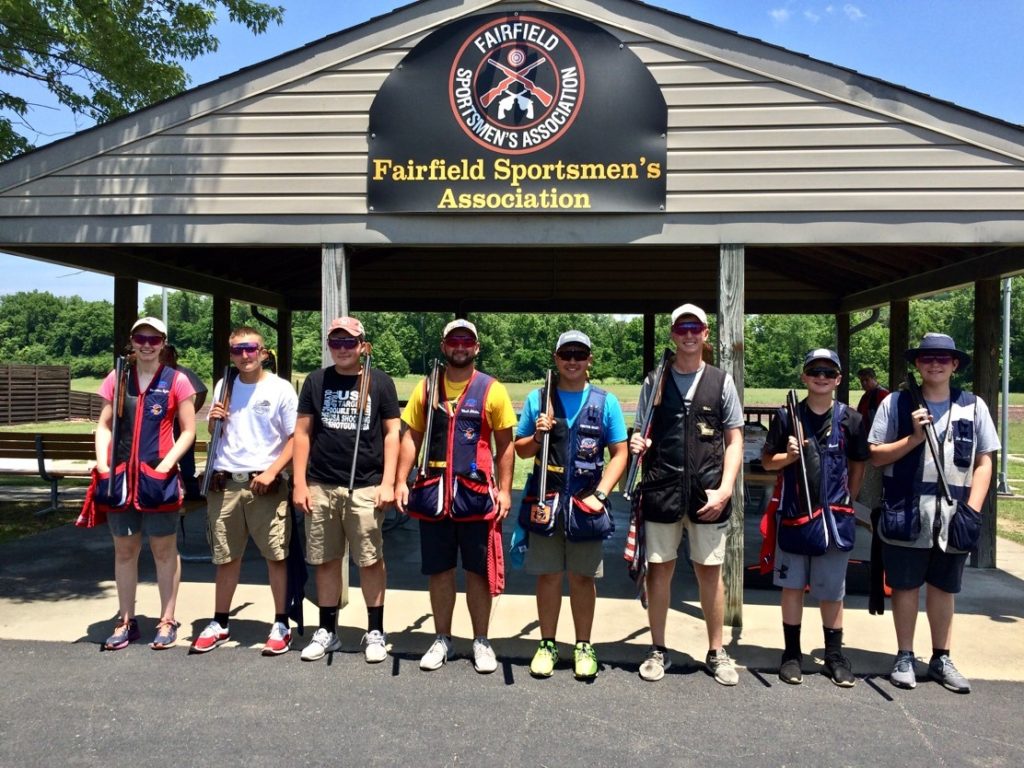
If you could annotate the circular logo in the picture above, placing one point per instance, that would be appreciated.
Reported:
(516, 85)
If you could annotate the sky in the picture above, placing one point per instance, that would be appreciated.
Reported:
(964, 51)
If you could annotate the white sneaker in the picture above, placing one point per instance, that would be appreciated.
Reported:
(376, 646)
(437, 654)
(484, 660)
(323, 642)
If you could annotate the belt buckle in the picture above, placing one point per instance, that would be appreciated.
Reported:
(240, 477)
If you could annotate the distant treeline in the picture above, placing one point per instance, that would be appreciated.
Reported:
(38, 327)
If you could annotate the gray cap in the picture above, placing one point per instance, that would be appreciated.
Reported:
(823, 354)
(455, 325)
(573, 337)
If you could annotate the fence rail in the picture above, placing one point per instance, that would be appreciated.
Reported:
(32, 393)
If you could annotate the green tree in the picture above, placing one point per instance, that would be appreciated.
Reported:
(105, 58)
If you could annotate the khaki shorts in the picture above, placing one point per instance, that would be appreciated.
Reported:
(707, 541)
(554, 554)
(235, 514)
(338, 519)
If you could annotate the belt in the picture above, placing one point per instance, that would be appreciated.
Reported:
(238, 477)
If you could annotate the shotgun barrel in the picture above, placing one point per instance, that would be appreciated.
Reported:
(227, 380)
(916, 396)
(797, 427)
(430, 399)
(545, 444)
(643, 422)
(117, 412)
(364, 391)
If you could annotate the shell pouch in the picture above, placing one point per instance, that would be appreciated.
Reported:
(158, 491)
(964, 527)
(116, 502)
(472, 500)
(426, 498)
(661, 499)
(899, 523)
(587, 525)
(803, 535)
(845, 526)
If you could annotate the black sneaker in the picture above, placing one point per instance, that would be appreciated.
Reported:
(838, 670)
(790, 671)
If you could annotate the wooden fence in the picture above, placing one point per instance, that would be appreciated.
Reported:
(33, 393)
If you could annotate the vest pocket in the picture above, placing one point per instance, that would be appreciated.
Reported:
(964, 527)
(804, 535)
(899, 521)
(963, 442)
(426, 498)
(845, 526)
(158, 491)
(661, 499)
(116, 502)
(472, 500)
(587, 525)
(536, 519)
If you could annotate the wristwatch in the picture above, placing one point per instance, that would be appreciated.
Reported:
(601, 496)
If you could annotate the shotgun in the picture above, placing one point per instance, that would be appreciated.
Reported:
(797, 427)
(541, 512)
(117, 413)
(364, 393)
(914, 390)
(643, 423)
(228, 379)
(431, 399)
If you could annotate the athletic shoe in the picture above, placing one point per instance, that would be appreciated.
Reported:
(437, 654)
(323, 642)
(903, 675)
(839, 670)
(376, 646)
(655, 665)
(484, 660)
(584, 661)
(210, 638)
(166, 634)
(941, 670)
(791, 672)
(722, 667)
(544, 660)
(280, 640)
(124, 633)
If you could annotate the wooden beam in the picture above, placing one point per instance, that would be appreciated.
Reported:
(126, 310)
(843, 350)
(285, 344)
(221, 332)
(730, 357)
(649, 342)
(899, 341)
(986, 363)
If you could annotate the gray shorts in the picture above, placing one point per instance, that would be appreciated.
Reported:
(131, 522)
(824, 574)
(554, 554)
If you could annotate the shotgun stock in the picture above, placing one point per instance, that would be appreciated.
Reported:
(914, 390)
(643, 422)
(227, 379)
(364, 392)
(797, 427)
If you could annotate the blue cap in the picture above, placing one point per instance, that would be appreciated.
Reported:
(823, 354)
(937, 342)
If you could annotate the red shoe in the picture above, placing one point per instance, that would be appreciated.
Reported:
(280, 640)
(210, 638)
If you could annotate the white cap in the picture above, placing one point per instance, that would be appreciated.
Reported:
(152, 322)
(454, 325)
(689, 309)
(573, 337)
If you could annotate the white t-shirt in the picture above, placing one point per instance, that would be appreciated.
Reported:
(261, 418)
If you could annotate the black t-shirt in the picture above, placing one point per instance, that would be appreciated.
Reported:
(819, 426)
(332, 400)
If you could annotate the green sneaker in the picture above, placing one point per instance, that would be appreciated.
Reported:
(544, 660)
(585, 661)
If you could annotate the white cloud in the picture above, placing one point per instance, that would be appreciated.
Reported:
(780, 15)
(853, 13)
(811, 16)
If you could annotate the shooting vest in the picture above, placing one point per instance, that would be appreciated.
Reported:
(687, 451)
(913, 513)
(146, 435)
(575, 467)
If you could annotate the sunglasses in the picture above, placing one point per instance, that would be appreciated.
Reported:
(142, 339)
(343, 342)
(465, 342)
(940, 359)
(246, 347)
(579, 355)
(828, 373)
(692, 327)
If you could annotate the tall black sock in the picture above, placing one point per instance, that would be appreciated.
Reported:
(833, 640)
(936, 652)
(375, 618)
(791, 636)
(281, 618)
(222, 619)
(329, 617)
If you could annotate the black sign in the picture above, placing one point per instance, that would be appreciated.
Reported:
(518, 113)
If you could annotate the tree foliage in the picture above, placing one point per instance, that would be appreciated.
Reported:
(105, 58)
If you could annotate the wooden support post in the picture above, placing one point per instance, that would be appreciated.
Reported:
(221, 331)
(899, 341)
(126, 311)
(731, 278)
(285, 345)
(986, 363)
(334, 293)
(649, 344)
(843, 350)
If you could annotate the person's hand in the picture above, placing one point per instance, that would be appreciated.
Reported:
(717, 499)
(401, 496)
(260, 485)
(504, 504)
(544, 423)
(218, 411)
(638, 444)
(920, 419)
(592, 503)
(300, 498)
(383, 496)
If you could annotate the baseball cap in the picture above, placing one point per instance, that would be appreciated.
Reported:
(689, 309)
(152, 322)
(454, 325)
(573, 337)
(350, 325)
(823, 354)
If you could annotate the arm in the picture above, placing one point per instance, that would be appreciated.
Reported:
(981, 480)
(505, 458)
(733, 460)
(856, 477)
(385, 494)
(883, 454)
(300, 461)
(262, 482)
(103, 436)
(775, 461)
(407, 451)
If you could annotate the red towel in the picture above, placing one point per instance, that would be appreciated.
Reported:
(90, 516)
(495, 560)
(769, 529)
